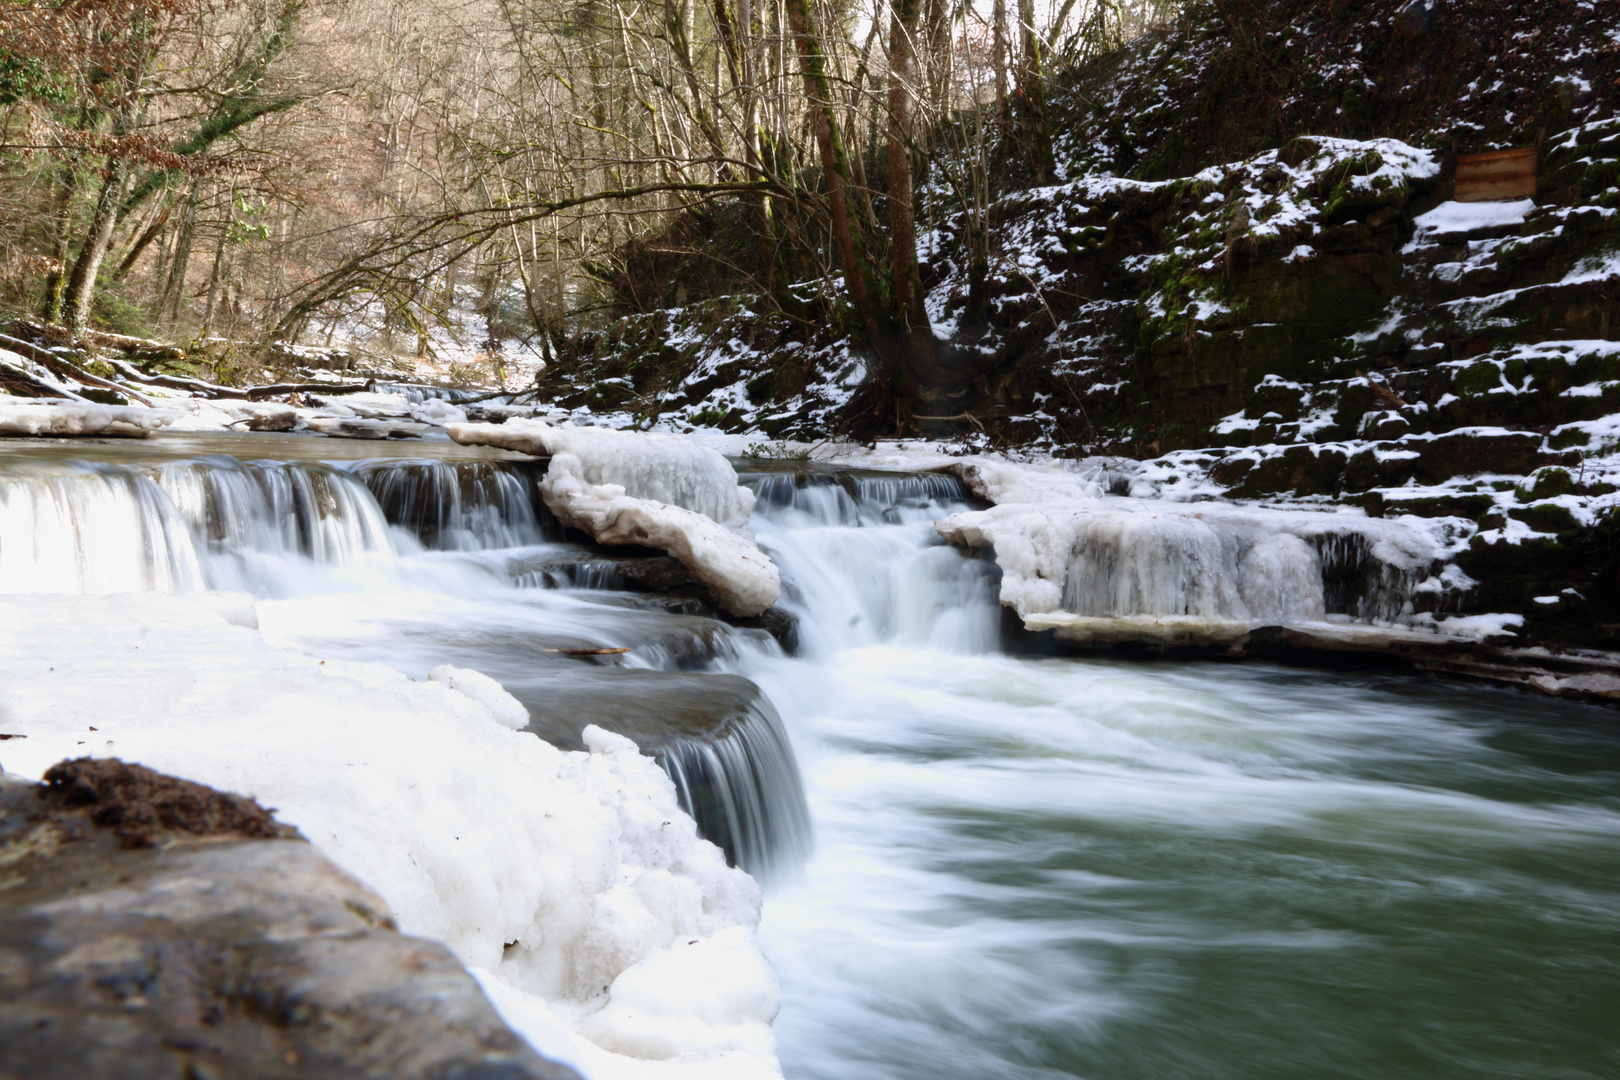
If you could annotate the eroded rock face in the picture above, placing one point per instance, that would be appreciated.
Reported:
(152, 927)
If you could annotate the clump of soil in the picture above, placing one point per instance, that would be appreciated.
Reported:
(139, 803)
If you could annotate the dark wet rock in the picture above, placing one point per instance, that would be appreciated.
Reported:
(718, 738)
(653, 708)
(666, 584)
(154, 928)
(1415, 19)
(344, 428)
(597, 568)
(778, 622)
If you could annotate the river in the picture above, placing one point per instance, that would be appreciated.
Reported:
(1013, 865)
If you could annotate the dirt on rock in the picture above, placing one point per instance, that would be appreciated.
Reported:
(140, 804)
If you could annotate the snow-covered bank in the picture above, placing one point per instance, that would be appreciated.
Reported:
(653, 490)
(613, 937)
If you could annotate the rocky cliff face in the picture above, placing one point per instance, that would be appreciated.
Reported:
(1279, 303)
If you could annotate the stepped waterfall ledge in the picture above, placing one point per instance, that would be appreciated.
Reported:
(1106, 568)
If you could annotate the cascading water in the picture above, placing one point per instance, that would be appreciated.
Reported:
(1024, 867)
(316, 543)
(463, 506)
(92, 529)
(1035, 867)
(179, 527)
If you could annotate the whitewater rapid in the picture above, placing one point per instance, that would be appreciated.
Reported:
(977, 862)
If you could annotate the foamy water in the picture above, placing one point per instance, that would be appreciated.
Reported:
(1021, 866)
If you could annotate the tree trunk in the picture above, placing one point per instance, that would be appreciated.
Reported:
(222, 258)
(740, 64)
(81, 285)
(998, 29)
(910, 312)
(61, 226)
(146, 238)
(174, 290)
(863, 280)
(1032, 97)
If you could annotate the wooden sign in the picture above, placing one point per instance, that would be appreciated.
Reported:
(1501, 174)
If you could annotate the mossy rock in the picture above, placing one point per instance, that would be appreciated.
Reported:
(1469, 453)
(1469, 505)
(1547, 483)
(1547, 517)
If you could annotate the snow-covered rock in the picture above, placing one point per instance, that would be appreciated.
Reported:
(77, 418)
(653, 490)
(572, 880)
(506, 710)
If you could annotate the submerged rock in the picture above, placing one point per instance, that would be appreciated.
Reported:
(153, 927)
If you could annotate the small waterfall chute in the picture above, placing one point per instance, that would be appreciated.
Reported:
(719, 739)
(463, 505)
(862, 565)
(852, 498)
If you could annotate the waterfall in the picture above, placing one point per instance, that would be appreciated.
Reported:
(862, 565)
(852, 498)
(93, 529)
(717, 736)
(463, 505)
(742, 787)
(179, 527)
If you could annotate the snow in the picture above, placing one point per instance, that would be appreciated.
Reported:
(503, 708)
(657, 491)
(78, 418)
(475, 834)
(744, 579)
(1464, 217)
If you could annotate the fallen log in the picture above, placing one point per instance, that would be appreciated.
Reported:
(259, 393)
(16, 378)
(68, 370)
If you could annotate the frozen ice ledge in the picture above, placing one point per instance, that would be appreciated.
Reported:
(1101, 570)
(655, 491)
(1095, 566)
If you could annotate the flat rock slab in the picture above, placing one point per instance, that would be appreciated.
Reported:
(154, 928)
(655, 709)
(360, 428)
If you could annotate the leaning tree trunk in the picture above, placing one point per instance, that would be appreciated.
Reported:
(81, 285)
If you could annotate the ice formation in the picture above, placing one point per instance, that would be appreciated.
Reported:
(1075, 558)
(653, 490)
(611, 935)
(78, 418)
(503, 708)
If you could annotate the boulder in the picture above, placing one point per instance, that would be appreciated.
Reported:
(152, 927)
